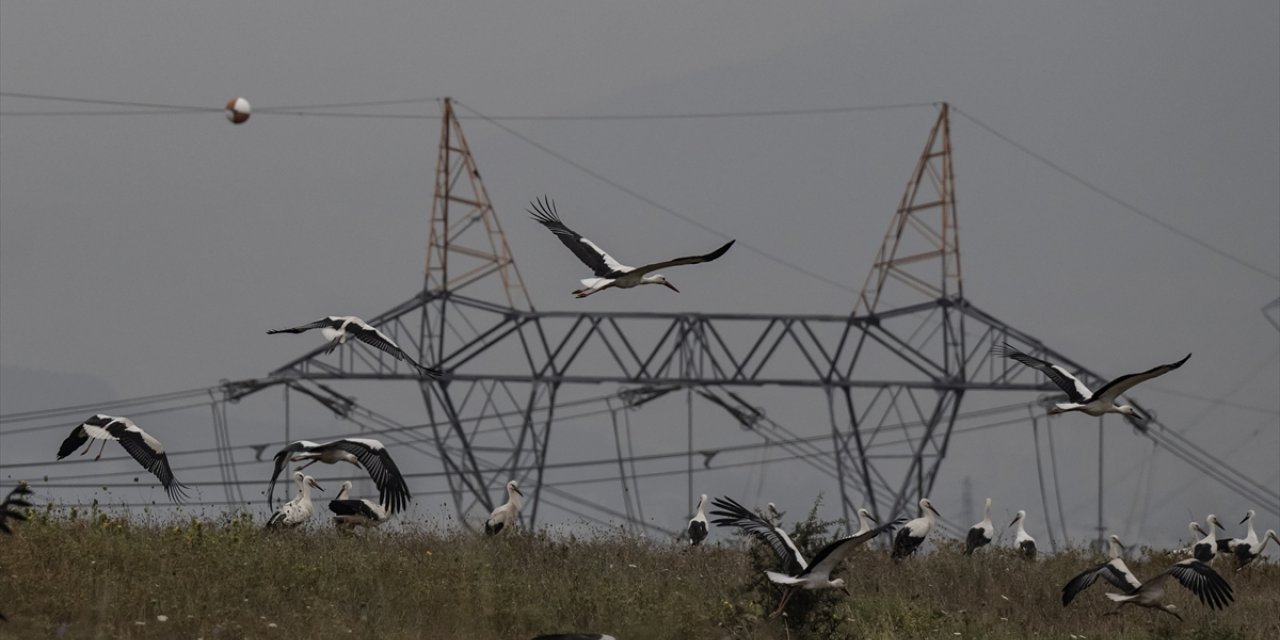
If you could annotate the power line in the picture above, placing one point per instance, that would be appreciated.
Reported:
(653, 203)
(1115, 199)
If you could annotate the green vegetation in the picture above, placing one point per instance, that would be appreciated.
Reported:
(77, 575)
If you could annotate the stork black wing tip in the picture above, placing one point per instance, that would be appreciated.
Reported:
(719, 252)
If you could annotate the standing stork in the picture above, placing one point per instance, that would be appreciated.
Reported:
(1247, 552)
(361, 452)
(338, 329)
(698, 524)
(1025, 543)
(1196, 576)
(1113, 570)
(1250, 538)
(349, 513)
(609, 272)
(912, 534)
(1094, 403)
(981, 534)
(1206, 549)
(145, 449)
(299, 509)
(865, 522)
(508, 515)
(798, 574)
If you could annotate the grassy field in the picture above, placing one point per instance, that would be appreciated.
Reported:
(98, 576)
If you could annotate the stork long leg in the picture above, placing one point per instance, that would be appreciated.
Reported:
(782, 605)
(311, 462)
(101, 450)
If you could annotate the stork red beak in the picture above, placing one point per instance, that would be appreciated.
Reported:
(671, 287)
(313, 483)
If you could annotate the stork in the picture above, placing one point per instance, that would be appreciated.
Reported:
(1250, 538)
(913, 533)
(138, 443)
(1206, 549)
(698, 524)
(609, 272)
(1247, 552)
(299, 509)
(798, 574)
(508, 515)
(981, 534)
(1094, 403)
(361, 452)
(1113, 570)
(865, 522)
(349, 513)
(1025, 543)
(1196, 576)
(338, 329)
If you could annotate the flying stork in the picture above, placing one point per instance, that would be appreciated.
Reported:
(1025, 543)
(698, 524)
(299, 509)
(913, 533)
(1094, 403)
(145, 449)
(981, 534)
(798, 574)
(1113, 570)
(1246, 552)
(1196, 576)
(15, 500)
(507, 515)
(349, 513)
(338, 329)
(362, 452)
(609, 272)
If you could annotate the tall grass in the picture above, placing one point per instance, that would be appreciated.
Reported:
(76, 575)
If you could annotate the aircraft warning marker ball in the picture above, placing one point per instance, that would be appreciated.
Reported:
(238, 110)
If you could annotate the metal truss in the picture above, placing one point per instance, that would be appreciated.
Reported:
(893, 377)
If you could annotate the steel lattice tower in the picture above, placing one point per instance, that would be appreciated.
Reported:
(893, 371)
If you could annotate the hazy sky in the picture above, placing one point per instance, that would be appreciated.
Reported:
(148, 253)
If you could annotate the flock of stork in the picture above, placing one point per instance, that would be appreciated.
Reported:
(1195, 573)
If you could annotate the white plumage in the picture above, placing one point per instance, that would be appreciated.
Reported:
(1025, 543)
(338, 329)
(981, 534)
(1196, 576)
(138, 443)
(609, 272)
(1094, 403)
(350, 513)
(299, 509)
(1113, 570)
(361, 452)
(1206, 549)
(865, 522)
(798, 574)
(508, 515)
(698, 524)
(913, 533)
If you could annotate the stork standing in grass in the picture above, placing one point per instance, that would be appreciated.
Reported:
(1196, 576)
(1206, 549)
(138, 443)
(798, 574)
(299, 509)
(865, 522)
(1246, 552)
(1094, 403)
(698, 524)
(506, 516)
(609, 272)
(981, 534)
(338, 329)
(361, 452)
(1025, 543)
(1250, 538)
(912, 534)
(349, 513)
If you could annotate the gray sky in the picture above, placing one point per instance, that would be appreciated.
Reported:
(143, 254)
